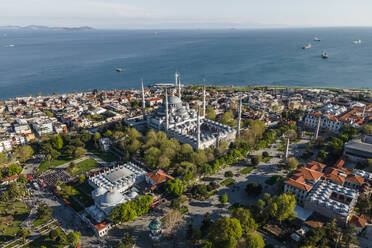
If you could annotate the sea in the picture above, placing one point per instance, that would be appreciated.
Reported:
(47, 62)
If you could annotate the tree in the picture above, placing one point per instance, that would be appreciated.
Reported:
(224, 199)
(96, 136)
(210, 114)
(254, 160)
(291, 163)
(367, 129)
(282, 207)
(80, 152)
(54, 234)
(14, 169)
(364, 205)
(44, 211)
(348, 235)
(108, 133)
(370, 164)
(229, 174)
(57, 142)
(15, 191)
(206, 224)
(225, 232)
(199, 191)
(151, 156)
(22, 179)
(23, 153)
(247, 222)
(254, 240)
(3, 158)
(174, 187)
(73, 238)
(228, 119)
(23, 233)
(253, 189)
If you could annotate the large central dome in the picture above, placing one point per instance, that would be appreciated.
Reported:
(174, 100)
(111, 198)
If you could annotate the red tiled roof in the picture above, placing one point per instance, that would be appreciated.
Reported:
(313, 165)
(100, 226)
(9, 179)
(309, 174)
(302, 186)
(159, 176)
(355, 179)
(336, 178)
(358, 221)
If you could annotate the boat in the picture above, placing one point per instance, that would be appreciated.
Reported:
(324, 55)
(118, 69)
(316, 38)
(357, 42)
(306, 46)
(11, 45)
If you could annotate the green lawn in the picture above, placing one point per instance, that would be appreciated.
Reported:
(247, 170)
(40, 221)
(228, 182)
(12, 214)
(106, 156)
(273, 179)
(46, 165)
(83, 167)
(47, 242)
(77, 192)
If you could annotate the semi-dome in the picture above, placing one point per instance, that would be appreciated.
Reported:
(174, 100)
(99, 191)
(111, 198)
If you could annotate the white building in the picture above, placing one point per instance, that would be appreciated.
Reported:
(187, 125)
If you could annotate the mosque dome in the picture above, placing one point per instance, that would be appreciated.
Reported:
(111, 198)
(174, 100)
(99, 191)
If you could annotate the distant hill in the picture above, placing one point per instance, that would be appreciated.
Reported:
(45, 28)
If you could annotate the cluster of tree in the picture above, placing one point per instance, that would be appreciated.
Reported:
(367, 129)
(292, 114)
(10, 170)
(253, 189)
(65, 145)
(277, 208)
(329, 236)
(160, 152)
(23, 233)
(230, 232)
(44, 212)
(174, 187)
(126, 242)
(228, 119)
(23, 153)
(364, 205)
(15, 191)
(291, 164)
(335, 146)
(58, 236)
(130, 210)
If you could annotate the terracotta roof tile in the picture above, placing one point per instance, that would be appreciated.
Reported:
(358, 221)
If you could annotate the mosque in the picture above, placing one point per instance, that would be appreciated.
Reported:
(188, 126)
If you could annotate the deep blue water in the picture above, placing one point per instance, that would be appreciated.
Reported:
(60, 62)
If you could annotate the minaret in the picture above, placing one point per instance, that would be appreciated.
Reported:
(166, 112)
(198, 131)
(204, 103)
(286, 151)
(179, 87)
(364, 111)
(317, 129)
(143, 102)
(239, 115)
(176, 75)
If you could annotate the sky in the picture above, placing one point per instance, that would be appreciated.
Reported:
(186, 13)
